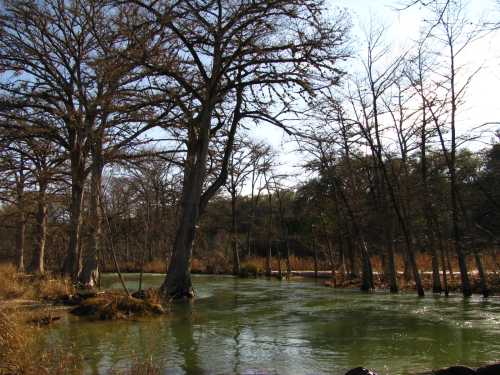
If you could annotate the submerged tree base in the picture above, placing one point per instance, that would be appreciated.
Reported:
(114, 306)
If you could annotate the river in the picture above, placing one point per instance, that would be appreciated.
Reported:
(261, 326)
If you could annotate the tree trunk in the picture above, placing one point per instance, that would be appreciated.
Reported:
(391, 267)
(38, 262)
(72, 262)
(269, 260)
(367, 283)
(178, 284)
(269, 267)
(427, 208)
(482, 276)
(20, 240)
(280, 270)
(89, 275)
(436, 281)
(443, 265)
(234, 239)
(315, 254)
(21, 218)
(462, 263)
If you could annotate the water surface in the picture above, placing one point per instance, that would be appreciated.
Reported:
(260, 326)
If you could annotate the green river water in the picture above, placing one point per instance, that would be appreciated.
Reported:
(260, 326)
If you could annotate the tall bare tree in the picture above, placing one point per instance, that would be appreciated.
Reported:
(62, 75)
(224, 61)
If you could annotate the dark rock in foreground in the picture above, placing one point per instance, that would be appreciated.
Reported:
(360, 371)
(489, 370)
(456, 370)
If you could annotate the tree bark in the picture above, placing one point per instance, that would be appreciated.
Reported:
(482, 276)
(21, 218)
(38, 262)
(20, 240)
(178, 283)
(391, 266)
(72, 262)
(427, 208)
(89, 275)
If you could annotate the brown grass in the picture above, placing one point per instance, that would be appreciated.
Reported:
(115, 305)
(139, 367)
(155, 266)
(219, 263)
(11, 285)
(14, 285)
(20, 354)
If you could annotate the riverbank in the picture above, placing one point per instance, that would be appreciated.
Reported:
(30, 303)
(304, 267)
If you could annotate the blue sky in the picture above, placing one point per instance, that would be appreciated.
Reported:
(482, 101)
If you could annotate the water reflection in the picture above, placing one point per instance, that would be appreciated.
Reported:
(298, 327)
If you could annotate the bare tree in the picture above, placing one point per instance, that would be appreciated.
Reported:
(61, 76)
(240, 168)
(367, 111)
(225, 61)
(453, 33)
(259, 153)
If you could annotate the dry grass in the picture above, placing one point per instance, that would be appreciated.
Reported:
(14, 285)
(424, 262)
(20, 354)
(140, 367)
(11, 285)
(220, 263)
(155, 266)
(114, 305)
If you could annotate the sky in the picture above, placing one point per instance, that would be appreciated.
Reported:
(482, 101)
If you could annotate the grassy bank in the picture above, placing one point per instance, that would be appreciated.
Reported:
(29, 303)
(22, 353)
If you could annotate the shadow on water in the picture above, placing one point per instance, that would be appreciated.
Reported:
(249, 326)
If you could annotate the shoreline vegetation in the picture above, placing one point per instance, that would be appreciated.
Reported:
(305, 267)
(29, 304)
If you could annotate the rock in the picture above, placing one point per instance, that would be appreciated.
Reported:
(489, 370)
(455, 370)
(360, 371)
